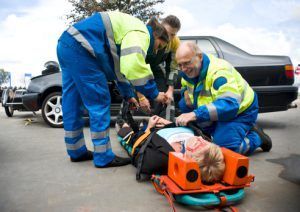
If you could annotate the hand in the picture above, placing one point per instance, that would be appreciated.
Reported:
(162, 122)
(145, 105)
(152, 121)
(185, 118)
(187, 99)
(161, 97)
(169, 95)
(133, 103)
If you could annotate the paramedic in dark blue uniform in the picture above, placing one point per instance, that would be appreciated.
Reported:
(108, 46)
(216, 96)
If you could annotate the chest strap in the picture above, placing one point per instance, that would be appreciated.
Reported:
(140, 140)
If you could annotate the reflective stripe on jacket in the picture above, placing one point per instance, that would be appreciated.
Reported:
(127, 39)
(221, 93)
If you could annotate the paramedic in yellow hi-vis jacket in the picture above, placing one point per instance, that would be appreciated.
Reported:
(217, 97)
(107, 46)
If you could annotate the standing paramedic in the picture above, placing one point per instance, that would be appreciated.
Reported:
(216, 96)
(107, 46)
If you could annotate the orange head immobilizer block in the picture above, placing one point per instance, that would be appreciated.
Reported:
(185, 172)
(236, 168)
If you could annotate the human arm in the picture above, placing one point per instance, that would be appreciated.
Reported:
(125, 89)
(132, 63)
(172, 67)
(169, 94)
(226, 99)
(152, 122)
(156, 121)
(144, 103)
(185, 118)
(185, 98)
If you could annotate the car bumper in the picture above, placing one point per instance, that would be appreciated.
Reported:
(275, 98)
(31, 101)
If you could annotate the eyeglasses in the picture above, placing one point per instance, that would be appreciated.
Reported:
(188, 63)
(182, 143)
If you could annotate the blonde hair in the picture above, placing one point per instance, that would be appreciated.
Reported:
(212, 165)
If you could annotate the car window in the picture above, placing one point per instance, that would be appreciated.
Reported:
(207, 47)
(194, 41)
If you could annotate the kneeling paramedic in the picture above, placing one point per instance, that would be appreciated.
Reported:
(107, 46)
(217, 97)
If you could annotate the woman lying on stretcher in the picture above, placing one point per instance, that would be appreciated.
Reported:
(149, 149)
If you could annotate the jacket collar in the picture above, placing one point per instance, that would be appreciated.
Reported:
(150, 49)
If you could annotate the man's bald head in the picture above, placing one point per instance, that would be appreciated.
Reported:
(189, 58)
(187, 49)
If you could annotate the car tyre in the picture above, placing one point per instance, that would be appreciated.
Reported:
(52, 110)
(9, 111)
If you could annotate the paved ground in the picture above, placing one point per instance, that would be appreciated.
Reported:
(36, 174)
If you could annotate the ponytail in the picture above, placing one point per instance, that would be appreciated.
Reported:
(158, 30)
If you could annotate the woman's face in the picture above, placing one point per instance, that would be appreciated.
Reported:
(158, 44)
(197, 145)
(172, 32)
(177, 146)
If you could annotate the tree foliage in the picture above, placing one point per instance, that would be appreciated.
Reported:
(4, 76)
(142, 9)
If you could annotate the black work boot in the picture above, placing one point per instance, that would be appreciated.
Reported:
(87, 156)
(266, 142)
(117, 161)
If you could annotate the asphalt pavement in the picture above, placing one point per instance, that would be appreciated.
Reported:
(36, 174)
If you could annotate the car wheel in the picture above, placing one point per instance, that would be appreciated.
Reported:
(52, 110)
(9, 111)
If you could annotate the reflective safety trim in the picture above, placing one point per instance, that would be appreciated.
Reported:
(161, 66)
(205, 93)
(102, 148)
(113, 47)
(129, 134)
(133, 50)
(80, 143)
(73, 134)
(171, 76)
(232, 95)
(246, 142)
(100, 135)
(79, 37)
(141, 81)
(212, 110)
(241, 148)
(245, 90)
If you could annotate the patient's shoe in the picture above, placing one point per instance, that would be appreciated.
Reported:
(87, 156)
(117, 161)
(266, 144)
